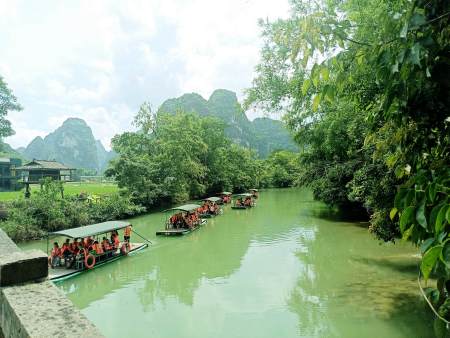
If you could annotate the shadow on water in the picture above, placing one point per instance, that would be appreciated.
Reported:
(357, 215)
(402, 264)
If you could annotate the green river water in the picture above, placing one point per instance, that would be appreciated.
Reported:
(286, 268)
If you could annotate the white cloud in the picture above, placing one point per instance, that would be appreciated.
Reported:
(99, 60)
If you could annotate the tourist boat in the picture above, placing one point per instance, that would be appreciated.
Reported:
(243, 201)
(254, 192)
(176, 223)
(208, 204)
(88, 260)
(225, 197)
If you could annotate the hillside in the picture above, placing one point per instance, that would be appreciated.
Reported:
(72, 144)
(263, 134)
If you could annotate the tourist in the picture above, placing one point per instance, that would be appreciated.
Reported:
(106, 244)
(115, 241)
(127, 234)
(74, 246)
(55, 256)
(66, 251)
(97, 248)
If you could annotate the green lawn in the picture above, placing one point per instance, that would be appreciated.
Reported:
(69, 189)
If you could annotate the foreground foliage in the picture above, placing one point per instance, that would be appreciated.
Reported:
(366, 87)
(47, 210)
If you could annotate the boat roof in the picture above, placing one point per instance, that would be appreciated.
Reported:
(91, 230)
(226, 193)
(253, 189)
(244, 195)
(213, 199)
(186, 207)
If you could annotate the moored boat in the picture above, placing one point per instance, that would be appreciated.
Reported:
(183, 220)
(243, 201)
(89, 253)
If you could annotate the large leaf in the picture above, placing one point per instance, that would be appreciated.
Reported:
(408, 233)
(325, 73)
(431, 192)
(429, 260)
(316, 102)
(420, 214)
(406, 218)
(393, 213)
(433, 214)
(445, 254)
(399, 197)
(426, 245)
(305, 86)
(440, 218)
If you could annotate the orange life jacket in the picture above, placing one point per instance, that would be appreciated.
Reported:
(98, 248)
(127, 231)
(56, 252)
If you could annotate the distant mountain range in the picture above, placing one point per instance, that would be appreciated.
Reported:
(262, 134)
(72, 144)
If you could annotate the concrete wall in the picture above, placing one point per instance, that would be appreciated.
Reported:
(30, 305)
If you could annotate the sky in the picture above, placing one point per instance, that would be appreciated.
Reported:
(100, 60)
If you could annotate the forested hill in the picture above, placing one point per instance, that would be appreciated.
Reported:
(262, 134)
(72, 144)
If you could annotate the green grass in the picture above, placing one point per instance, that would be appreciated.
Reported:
(69, 189)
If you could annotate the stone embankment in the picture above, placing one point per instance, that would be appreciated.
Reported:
(31, 305)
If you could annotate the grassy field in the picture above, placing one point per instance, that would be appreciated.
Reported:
(69, 189)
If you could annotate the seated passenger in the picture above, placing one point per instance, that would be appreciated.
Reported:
(238, 202)
(116, 241)
(106, 245)
(66, 252)
(55, 255)
(74, 246)
(97, 248)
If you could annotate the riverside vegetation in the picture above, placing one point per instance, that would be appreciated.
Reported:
(366, 87)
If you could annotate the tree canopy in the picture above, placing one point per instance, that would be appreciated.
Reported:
(364, 86)
(8, 103)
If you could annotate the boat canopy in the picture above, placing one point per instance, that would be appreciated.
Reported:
(91, 230)
(244, 195)
(213, 199)
(186, 207)
(253, 189)
(226, 193)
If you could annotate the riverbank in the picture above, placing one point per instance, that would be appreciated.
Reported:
(285, 268)
(70, 189)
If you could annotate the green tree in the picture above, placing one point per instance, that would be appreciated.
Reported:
(365, 86)
(8, 102)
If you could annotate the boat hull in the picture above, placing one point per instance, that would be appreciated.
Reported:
(59, 274)
(181, 231)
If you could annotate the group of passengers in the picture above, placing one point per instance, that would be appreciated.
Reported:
(247, 202)
(208, 208)
(80, 247)
(184, 220)
(226, 199)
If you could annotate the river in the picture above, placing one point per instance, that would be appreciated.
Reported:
(287, 268)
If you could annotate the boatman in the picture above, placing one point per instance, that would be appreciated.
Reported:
(127, 234)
